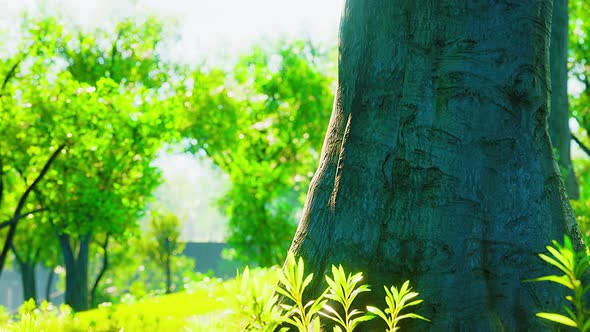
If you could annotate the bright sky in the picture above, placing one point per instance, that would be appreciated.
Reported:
(212, 29)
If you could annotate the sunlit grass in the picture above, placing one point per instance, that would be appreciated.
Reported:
(164, 313)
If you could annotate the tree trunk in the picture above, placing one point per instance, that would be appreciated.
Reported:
(437, 165)
(103, 269)
(168, 267)
(26, 264)
(559, 129)
(29, 280)
(49, 284)
(76, 266)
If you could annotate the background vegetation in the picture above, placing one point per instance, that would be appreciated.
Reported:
(84, 113)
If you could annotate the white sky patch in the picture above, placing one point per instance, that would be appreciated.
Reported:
(211, 30)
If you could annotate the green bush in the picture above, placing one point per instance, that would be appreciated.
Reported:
(257, 304)
(574, 264)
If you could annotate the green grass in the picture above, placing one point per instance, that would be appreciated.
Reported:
(161, 313)
(205, 306)
(246, 303)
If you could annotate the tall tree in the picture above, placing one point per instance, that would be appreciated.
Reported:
(579, 55)
(437, 165)
(104, 95)
(27, 151)
(559, 129)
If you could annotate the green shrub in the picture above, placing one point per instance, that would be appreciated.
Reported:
(252, 297)
(46, 317)
(574, 264)
(344, 290)
(397, 300)
(258, 304)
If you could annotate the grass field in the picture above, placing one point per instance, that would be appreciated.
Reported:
(206, 306)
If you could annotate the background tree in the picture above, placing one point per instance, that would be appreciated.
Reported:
(35, 245)
(578, 59)
(559, 130)
(437, 164)
(262, 124)
(28, 150)
(111, 112)
(162, 243)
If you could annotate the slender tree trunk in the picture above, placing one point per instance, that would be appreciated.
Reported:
(76, 265)
(26, 264)
(29, 280)
(437, 165)
(49, 284)
(168, 267)
(559, 129)
(103, 269)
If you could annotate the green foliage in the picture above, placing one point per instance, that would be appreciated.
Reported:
(397, 300)
(265, 123)
(292, 285)
(104, 95)
(574, 264)
(255, 300)
(344, 290)
(247, 303)
(45, 317)
(134, 273)
(162, 243)
(163, 237)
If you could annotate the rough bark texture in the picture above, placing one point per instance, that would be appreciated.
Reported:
(437, 165)
(559, 129)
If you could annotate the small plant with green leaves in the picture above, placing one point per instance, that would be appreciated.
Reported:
(397, 300)
(344, 290)
(45, 317)
(573, 264)
(28, 323)
(256, 300)
(292, 284)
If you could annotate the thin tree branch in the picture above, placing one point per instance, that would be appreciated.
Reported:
(21, 204)
(10, 74)
(1, 181)
(105, 265)
(581, 145)
(19, 217)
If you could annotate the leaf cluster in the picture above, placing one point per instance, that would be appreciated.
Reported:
(574, 265)
(265, 310)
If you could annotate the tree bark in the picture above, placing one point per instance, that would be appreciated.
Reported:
(29, 280)
(437, 165)
(27, 262)
(76, 266)
(559, 129)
